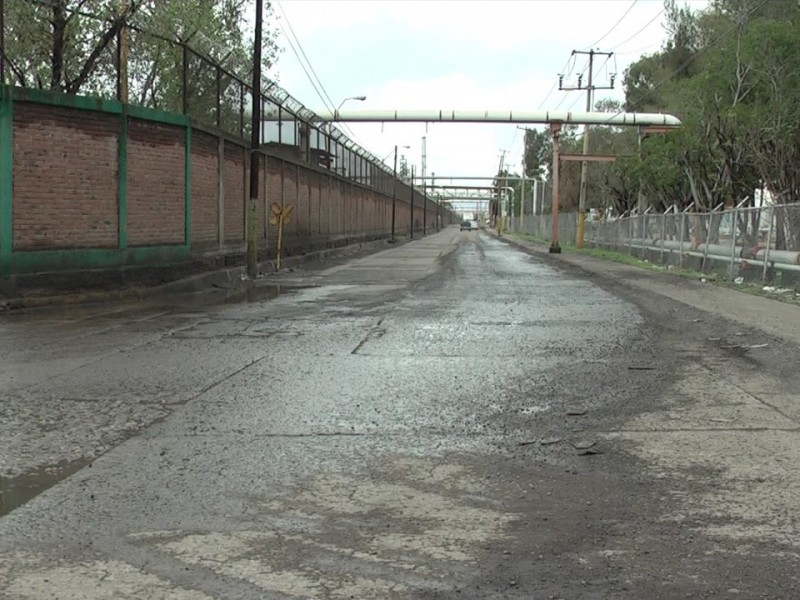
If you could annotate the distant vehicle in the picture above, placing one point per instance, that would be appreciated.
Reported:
(466, 225)
(473, 224)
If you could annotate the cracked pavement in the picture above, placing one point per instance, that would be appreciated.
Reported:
(451, 418)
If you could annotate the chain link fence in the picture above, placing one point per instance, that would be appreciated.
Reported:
(744, 244)
(741, 244)
(174, 75)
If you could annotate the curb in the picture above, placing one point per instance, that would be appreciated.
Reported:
(230, 278)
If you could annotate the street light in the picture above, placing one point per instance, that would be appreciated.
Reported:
(251, 234)
(359, 98)
(335, 116)
(394, 190)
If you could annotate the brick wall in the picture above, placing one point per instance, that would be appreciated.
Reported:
(235, 192)
(205, 204)
(156, 202)
(66, 191)
(65, 178)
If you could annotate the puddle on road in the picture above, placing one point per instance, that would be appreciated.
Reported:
(234, 294)
(238, 292)
(16, 491)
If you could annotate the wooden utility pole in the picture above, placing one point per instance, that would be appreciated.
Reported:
(255, 141)
(122, 55)
(590, 87)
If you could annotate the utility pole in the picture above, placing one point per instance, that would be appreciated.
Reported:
(412, 202)
(122, 55)
(500, 216)
(424, 155)
(255, 140)
(589, 99)
(424, 187)
(394, 192)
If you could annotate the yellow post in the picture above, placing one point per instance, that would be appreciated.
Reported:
(280, 242)
(278, 217)
(579, 235)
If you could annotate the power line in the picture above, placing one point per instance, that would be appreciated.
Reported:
(606, 34)
(305, 70)
(552, 89)
(692, 58)
(650, 22)
(330, 103)
(639, 51)
(574, 102)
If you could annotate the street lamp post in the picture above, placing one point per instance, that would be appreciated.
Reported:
(359, 98)
(335, 115)
(394, 191)
(255, 140)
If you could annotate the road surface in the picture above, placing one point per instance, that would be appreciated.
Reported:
(451, 418)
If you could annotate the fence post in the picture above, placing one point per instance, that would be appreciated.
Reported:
(683, 234)
(769, 242)
(241, 110)
(708, 236)
(663, 234)
(630, 234)
(734, 227)
(2, 43)
(218, 78)
(185, 79)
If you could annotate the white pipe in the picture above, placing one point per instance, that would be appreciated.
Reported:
(497, 116)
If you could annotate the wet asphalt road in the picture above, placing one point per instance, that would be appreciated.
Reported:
(416, 424)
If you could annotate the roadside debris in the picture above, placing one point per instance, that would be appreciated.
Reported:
(551, 441)
(744, 347)
(583, 444)
(640, 368)
(589, 452)
(576, 412)
(542, 442)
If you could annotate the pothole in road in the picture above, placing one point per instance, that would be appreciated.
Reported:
(16, 491)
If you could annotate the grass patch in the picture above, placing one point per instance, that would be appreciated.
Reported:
(754, 289)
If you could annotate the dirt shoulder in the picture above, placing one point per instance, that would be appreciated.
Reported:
(715, 447)
(768, 315)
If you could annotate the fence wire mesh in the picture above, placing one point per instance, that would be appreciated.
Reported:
(170, 75)
(741, 244)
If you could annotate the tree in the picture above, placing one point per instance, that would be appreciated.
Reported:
(537, 155)
(70, 46)
(61, 44)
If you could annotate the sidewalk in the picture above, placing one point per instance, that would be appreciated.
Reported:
(231, 279)
(771, 316)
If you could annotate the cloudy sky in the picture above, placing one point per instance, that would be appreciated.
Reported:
(469, 54)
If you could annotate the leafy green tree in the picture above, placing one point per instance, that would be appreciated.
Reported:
(71, 46)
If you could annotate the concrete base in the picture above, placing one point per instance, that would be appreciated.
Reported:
(555, 249)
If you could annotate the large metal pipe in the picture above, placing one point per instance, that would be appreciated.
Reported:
(788, 259)
(497, 116)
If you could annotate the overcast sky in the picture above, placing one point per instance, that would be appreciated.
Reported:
(479, 54)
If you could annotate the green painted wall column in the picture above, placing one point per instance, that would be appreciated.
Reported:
(6, 179)
(187, 186)
(122, 181)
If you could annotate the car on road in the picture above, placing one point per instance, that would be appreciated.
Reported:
(466, 225)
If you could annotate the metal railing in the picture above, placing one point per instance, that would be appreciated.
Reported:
(752, 243)
(174, 76)
(743, 243)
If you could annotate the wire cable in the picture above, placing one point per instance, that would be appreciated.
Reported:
(622, 18)
(330, 105)
(552, 89)
(694, 56)
(650, 22)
